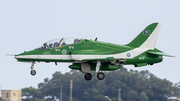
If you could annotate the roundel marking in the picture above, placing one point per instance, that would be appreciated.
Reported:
(64, 51)
(128, 54)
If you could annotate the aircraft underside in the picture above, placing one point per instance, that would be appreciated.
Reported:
(86, 67)
(98, 66)
(104, 65)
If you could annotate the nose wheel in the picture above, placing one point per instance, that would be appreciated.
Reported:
(33, 72)
(100, 76)
(88, 76)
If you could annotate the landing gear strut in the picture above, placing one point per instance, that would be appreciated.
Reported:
(100, 76)
(88, 76)
(33, 72)
(85, 68)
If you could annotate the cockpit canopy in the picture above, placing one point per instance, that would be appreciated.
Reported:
(59, 42)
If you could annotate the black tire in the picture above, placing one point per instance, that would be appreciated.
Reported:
(33, 72)
(88, 76)
(100, 76)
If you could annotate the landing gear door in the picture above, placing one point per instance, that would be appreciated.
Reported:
(85, 67)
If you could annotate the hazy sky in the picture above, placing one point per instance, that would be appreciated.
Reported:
(27, 24)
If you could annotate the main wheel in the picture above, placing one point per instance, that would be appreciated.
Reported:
(88, 76)
(100, 76)
(33, 72)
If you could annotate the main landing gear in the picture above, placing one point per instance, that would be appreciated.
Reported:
(88, 76)
(100, 76)
(33, 72)
(85, 68)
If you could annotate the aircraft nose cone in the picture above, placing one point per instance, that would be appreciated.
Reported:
(16, 56)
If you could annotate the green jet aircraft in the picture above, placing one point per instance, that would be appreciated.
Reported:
(86, 55)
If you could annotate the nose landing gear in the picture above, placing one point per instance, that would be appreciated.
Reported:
(33, 72)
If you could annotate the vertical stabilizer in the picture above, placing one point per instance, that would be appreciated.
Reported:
(147, 38)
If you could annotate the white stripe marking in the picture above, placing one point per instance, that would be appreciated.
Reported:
(135, 52)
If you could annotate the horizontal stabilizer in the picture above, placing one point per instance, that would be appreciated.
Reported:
(160, 53)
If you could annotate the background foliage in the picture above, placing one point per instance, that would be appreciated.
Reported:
(135, 86)
(1, 99)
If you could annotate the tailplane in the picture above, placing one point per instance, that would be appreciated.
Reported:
(147, 38)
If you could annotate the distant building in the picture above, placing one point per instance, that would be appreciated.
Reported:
(11, 95)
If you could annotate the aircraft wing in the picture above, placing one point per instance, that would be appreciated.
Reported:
(105, 59)
(160, 53)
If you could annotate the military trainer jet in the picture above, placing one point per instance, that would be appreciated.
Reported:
(86, 55)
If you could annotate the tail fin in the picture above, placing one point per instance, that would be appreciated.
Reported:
(147, 38)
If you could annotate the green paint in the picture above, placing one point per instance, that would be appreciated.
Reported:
(91, 48)
(104, 66)
(142, 37)
(141, 64)
(144, 58)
